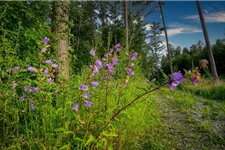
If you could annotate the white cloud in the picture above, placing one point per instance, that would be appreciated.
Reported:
(148, 27)
(176, 28)
(216, 17)
(175, 31)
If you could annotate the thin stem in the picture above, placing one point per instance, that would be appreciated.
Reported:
(120, 110)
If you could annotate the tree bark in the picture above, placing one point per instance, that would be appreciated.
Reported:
(210, 52)
(126, 24)
(167, 41)
(61, 32)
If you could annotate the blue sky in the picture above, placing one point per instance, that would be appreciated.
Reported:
(184, 27)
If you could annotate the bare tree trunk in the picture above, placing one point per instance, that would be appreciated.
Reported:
(210, 52)
(61, 33)
(126, 24)
(167, 41)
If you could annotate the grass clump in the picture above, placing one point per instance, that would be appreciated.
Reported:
(206, 89)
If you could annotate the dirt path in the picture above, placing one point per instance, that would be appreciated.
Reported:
(191, 122)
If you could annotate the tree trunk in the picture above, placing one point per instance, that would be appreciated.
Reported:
(126, 24)
(61, 32)
(210, 52)
(167, 41)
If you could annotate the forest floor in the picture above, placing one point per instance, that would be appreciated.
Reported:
(191, 122)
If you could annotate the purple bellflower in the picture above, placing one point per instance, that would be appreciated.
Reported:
(50, 80)
(83, 87)
(23, 97)
(49, 62)
(133, 56)
(30, 69)
(98, 63)
(88, 104)
(54, 66)
(43, 50)
(92, 52)
(36, 89)
(75, 107)
(129, 72)
(132, 65)
(95, 84)
(95, 69)
(31, 105)
(110, 68)
(46, 40)
(86, 95)
(118, 47)
(114, 61)
(175, 80)
(45, 71)
(194, 81)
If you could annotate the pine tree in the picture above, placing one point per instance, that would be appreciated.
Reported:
(156, 47)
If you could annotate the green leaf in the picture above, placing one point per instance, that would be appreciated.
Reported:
(91, 139)
(60, 130)
(65, 146)
(110, 134)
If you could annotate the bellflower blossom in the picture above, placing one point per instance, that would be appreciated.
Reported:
(30, 89)
(50, 80)
(95, 69)
(83, 87)
(30, 69)
(114, 61)
(31, 105)
(118, 47)
(110, 67)
(175, 80)
(204, 61)
(92, 52)
(75, 107)
(88, 104)
(194, 81)
(49, 62)
(133, 56)
(54, 66)
(23, 97)
(36, 89)
(132, 65)
(95, 84)
(129, 72)
(98, 63)
(86, 95)
(106, 55)
(46, 71)
(43, 49)
(46, 40)
(26, 88)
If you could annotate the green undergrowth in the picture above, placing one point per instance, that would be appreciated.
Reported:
(206, 89)
(54, 125)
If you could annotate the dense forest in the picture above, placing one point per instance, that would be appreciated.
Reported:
(90, 75)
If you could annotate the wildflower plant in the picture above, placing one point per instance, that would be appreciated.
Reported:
(194, 75)
(83, 115)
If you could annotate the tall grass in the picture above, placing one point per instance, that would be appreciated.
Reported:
(206, 89)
